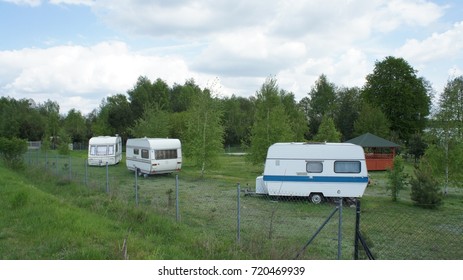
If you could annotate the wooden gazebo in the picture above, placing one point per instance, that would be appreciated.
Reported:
(379, 152)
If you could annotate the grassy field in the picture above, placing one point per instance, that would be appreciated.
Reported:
(58, 209)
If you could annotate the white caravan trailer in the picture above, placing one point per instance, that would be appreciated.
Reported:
(104, 149)
(314, 170)
(153, 155)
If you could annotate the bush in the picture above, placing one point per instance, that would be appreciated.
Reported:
(12, 150)
(425, 190)
(397, 178)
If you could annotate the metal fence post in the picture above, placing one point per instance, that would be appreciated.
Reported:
(238, 206)
(70, 168)
(340, 230)
(357, 229)
(86, 173)
(107, 177)
(177, 212)
(46, 160)
(136, 186)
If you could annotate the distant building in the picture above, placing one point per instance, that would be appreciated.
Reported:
(379, 152)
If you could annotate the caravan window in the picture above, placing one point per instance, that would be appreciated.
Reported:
(92, 150)
(347, 166)
(166, 154)
(314, 167)
(110, 150)
(136, 151)
(98, 150)
(145, 153)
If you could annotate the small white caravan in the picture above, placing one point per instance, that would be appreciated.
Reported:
(314, 170)
(153, 155)
(104, 149)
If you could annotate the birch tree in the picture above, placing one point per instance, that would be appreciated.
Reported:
(203, 138)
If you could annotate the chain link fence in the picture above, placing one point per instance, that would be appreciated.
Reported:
(275, 227)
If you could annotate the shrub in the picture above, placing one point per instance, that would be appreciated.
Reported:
(397, 178)
(425, 191)
(12, 150)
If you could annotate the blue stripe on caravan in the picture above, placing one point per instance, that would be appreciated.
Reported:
(318, 179)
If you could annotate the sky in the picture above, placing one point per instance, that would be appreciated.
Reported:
(79, 52)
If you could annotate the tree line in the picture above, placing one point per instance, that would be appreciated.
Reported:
(395, 103)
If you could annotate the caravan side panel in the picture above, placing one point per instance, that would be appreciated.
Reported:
(154, 155)
(298, 169)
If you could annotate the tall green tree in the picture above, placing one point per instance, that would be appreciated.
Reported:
(154, 123)
(50, 110)
(12, 151)
(100, 125)
(327, 131)
(203, 137)
(347, 112)
(21, 118)
(297, 119)
(237, 120)
(74, 126)
(371, 119)
(146, 94)
(181, 96)
(398, 179)
(119, 115)
(271, 123)
(446, 149)
(401, 95)
(322, 102)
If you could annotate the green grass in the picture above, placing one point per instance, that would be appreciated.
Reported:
(50, 211)
(51, 219)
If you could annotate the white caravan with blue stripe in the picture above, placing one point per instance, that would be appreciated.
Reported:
(314, 170)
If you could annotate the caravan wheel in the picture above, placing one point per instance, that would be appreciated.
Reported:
(316, 198)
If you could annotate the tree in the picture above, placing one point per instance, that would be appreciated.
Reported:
(154, 123)
(74, 126)
(402, 96)
(50, 111)
(296, 117)
(63, 143)
(140, 96)
(119, 115)
(203, 137)
(322, 102)
(327, 131)
(347, 112)
(397, 178)
(446, 149)
(237, 120)
(100, 124)
(12, 151)
(417, 146)
(21, 119)
(451, 107)
(371, 119)
(425, 189)
(271, 123)
(182, 95)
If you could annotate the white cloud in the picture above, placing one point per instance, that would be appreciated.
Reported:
(32, 3)
(439, 45)
(73, 2)
(240, 42)
(248, 53)
(35, 3)
(88, 72)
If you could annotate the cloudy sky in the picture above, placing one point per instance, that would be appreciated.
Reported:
(77, 52)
